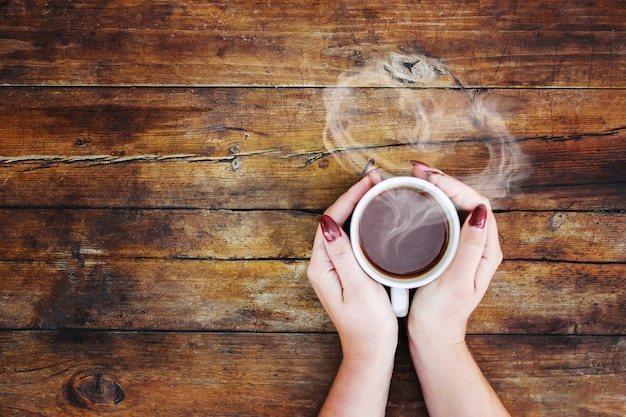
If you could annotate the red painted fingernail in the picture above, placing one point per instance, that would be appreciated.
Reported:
(330, 229)
(368, 168)
(479, 217)
(419, 163)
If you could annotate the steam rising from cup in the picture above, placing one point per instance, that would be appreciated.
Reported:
(421, 111)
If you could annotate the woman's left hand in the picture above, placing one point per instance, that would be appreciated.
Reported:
(358, 306)
(361, 311)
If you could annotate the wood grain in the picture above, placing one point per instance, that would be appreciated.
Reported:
(223, 149)
(166, 234)
(86, 235)
(198, 43)
(269, 183)
(238, 374)
(158, 201)
(80, 121)
(275, 296)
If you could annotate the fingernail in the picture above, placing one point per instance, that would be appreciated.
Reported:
(369, 167)
(330, 229)
(419, 163)
(428, 171)
(433, 171)
(369, 170)
(479, 217)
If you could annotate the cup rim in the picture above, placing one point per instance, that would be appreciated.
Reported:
(450, 213)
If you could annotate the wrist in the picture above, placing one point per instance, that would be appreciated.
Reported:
(436, 345)
(376, 367)
(368, 352)
(377, 343)
(430, 336)
(433, 357)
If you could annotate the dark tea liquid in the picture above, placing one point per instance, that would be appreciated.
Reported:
(403, 232)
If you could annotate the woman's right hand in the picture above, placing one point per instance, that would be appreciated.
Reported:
(452, 383)
(441, 309)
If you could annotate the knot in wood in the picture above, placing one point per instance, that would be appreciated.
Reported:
(87, 391)
(414, 69)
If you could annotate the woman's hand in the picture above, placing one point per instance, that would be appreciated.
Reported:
(440, 310)
(360, 309)
(452, 383)
(358, 306)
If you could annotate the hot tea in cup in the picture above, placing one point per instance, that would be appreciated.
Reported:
(404, 233)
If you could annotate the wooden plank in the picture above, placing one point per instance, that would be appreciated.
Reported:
(240, 148)
(66, 234)
(167, 374)
(73, 373)
(130, 122)
(164, 295)
(252, 182)
(527, 366)
(553, 298)
(494, 43)
(565, 236)
(89, 235)
(275, 296)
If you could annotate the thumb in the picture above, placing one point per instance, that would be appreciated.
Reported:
(471, 247)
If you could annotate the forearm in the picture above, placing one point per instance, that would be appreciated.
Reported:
(452, 383)
(361, 388)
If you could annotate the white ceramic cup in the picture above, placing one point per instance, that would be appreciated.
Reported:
(400, 284)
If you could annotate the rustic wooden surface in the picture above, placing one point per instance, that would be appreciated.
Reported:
(159, 195)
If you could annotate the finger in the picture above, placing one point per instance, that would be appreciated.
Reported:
(322, 275)
(472, 243)
(465, 197)
(341, 209)
(321, 271)
(339, 251)
(372, 171)
(492, 257)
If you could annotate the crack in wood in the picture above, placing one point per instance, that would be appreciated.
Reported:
(313, 156)
(237, 129)
(94, 160)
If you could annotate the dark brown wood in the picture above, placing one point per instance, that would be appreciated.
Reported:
(199, 148)
(80, 121)
(199, 43)
(135, 234)
(158, 201)
(62, 234)
(552, 297)
(275, 296)
(269, 182)
(239, 374)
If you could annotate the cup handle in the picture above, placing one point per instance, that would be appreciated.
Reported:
(400, 301)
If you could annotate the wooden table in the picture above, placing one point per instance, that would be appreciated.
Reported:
(163, 166)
